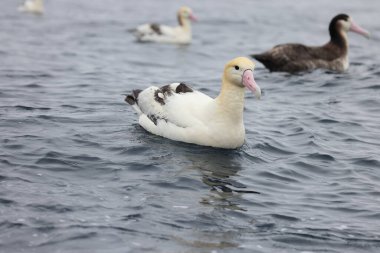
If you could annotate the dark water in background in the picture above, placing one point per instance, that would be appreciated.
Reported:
(78, 174)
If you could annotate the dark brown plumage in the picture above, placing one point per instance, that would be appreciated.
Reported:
(132, 98)
(156, 28)
(297, 57)
(160, 93)
(183, 88)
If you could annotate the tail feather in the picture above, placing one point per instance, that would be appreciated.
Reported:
(132, 98)
(259, 57)
(266, 60)
(132, 30)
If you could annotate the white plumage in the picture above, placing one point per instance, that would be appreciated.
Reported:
(178, 112)
(165, 34)
(32, 6)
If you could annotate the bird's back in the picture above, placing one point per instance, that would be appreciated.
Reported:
(297, 57)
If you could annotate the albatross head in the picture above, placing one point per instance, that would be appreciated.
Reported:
(239, 72)
(346, 23)
(185, 14)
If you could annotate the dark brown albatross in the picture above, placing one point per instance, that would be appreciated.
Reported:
(297, 57)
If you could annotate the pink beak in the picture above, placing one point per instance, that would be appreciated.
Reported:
(249, 82)
(192, 17)
(357, 29)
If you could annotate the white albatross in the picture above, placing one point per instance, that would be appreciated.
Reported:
(178, 112)
(165, 34)
(32, 6)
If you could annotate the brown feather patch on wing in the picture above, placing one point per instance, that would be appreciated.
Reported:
(183, 88)
(156, 28)
(167, 90)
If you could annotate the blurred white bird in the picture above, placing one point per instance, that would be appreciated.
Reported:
(32, 6)
(165, 34)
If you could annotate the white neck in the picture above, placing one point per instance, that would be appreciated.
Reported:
(231, 101)
(184, 23)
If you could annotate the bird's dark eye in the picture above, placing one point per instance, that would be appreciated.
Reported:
(236, 67)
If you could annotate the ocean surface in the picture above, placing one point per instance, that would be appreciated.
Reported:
(78, 174)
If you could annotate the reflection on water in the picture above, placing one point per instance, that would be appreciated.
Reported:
(218, 168)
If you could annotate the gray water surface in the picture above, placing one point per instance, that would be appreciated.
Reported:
(78, 174)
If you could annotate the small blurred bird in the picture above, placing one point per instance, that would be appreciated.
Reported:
(32, 6)
(181, 34)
